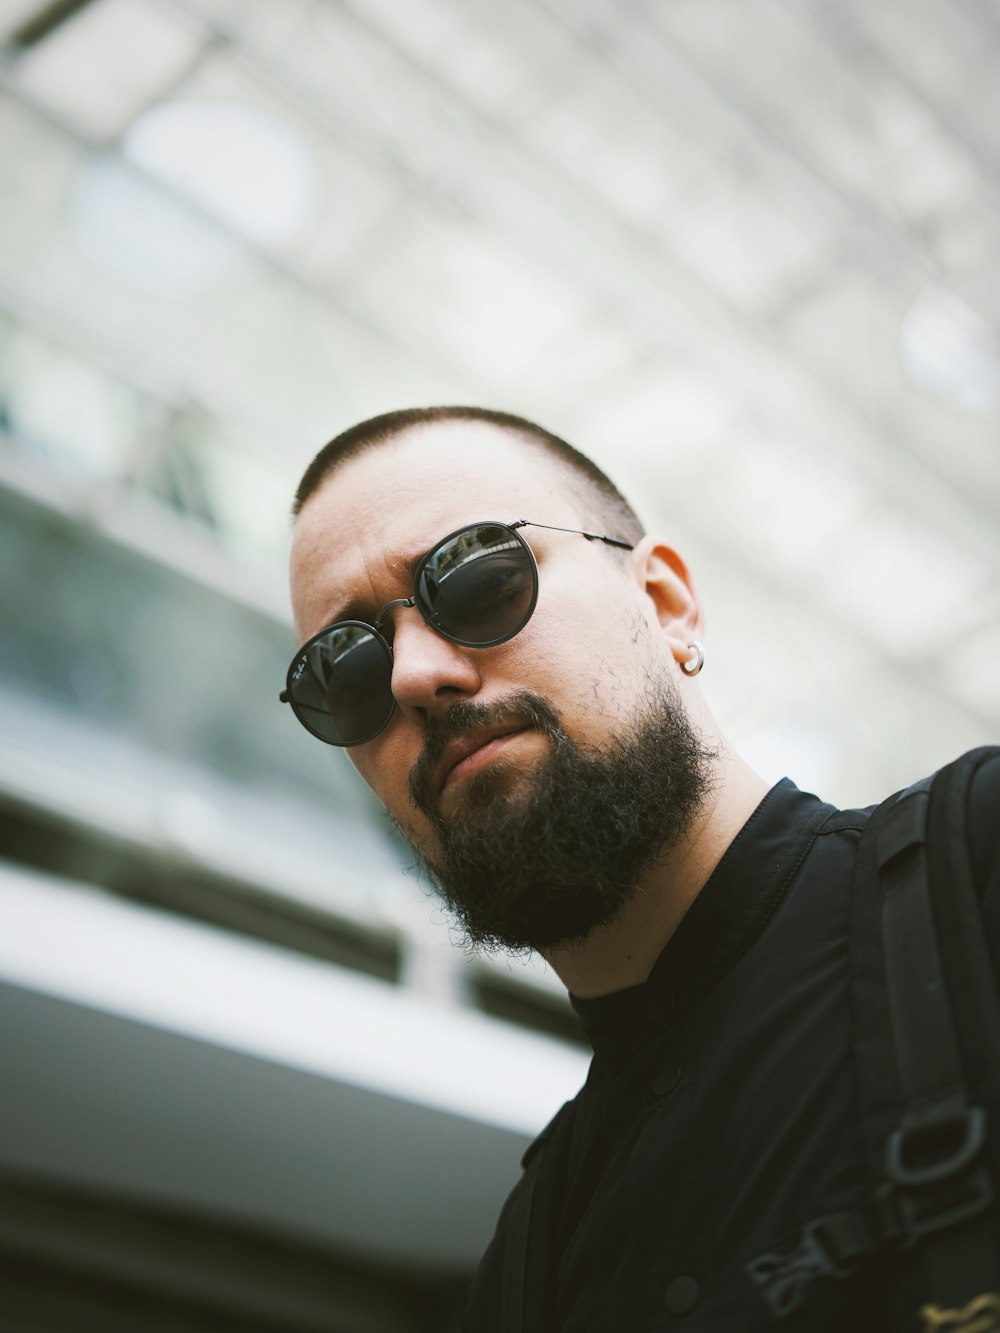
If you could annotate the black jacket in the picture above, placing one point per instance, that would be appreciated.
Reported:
(720, 1112)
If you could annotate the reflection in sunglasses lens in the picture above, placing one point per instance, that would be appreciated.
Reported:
(345, 685)
(479, 586)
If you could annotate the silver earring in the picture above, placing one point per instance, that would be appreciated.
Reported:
(694, 663)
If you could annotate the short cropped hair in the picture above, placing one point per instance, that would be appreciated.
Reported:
(603, 502)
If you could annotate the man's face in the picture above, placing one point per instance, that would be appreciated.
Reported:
(479, 733)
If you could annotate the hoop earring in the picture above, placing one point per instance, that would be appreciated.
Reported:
(694, 664)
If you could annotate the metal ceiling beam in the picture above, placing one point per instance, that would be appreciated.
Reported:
(44, 23)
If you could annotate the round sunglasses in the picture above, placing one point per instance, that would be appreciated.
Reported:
(477, 587)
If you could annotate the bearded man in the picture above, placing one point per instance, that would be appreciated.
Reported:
(511, 664)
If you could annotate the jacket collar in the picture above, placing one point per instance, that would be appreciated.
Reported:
(721, 924)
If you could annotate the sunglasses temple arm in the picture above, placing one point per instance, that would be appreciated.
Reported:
(579, 532)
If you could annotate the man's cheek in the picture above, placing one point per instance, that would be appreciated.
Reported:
(374, 763)
(416, 830)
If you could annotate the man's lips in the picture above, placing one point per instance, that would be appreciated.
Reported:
(465, 746)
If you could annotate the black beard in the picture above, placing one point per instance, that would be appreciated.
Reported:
(547, 859)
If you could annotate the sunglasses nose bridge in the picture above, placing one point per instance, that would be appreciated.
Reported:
(396, 601)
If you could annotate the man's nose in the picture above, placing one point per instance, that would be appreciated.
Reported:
(429, 672)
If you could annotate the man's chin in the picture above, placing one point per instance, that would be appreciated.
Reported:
(472, 806)
(477, 795)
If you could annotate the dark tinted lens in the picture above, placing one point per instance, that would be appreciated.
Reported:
(479, 586)
(340, 686)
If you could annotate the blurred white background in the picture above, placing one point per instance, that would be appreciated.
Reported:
(744, 252)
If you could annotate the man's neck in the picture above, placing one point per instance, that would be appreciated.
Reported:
(622, 954)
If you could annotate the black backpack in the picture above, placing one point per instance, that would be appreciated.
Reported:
(927, 1017)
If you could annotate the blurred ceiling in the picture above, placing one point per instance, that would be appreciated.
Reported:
(742, 251)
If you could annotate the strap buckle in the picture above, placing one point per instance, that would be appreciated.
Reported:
(927, 1157)
(913, 1154)
(829, 1246)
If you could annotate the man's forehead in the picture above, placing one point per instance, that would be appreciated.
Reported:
(447, 468)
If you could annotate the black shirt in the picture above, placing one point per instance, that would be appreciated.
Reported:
(719, 1114)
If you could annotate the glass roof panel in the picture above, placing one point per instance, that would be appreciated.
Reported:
(342, 193)
(746, 240)
(896, 580)
(451, 41)
(496, 57)
(949, 349)
(490, 308)
(660, 416)
(847, 313)
(144, 237)
(619, 146)
(36, 166)
(246, 167)
(792, 504)
(914, 167)
(104, 62)
(597, 351)
(366, 88)
(941, 47)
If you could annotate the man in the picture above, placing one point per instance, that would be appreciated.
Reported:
(511, 664)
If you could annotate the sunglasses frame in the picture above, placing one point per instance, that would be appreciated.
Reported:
(298, 662)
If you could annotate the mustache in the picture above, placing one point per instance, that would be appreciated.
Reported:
(466, 715)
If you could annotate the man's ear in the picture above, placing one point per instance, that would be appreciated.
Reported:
(670, 588)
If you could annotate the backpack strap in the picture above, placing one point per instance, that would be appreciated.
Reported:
(935, 1184)
(935, 1156)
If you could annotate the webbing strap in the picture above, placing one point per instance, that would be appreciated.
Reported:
(924, 1036)
(935, 1155)
(832, 1246)
(937, 1185)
